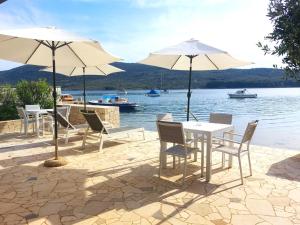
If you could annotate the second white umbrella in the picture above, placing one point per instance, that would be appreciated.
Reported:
(102, 70)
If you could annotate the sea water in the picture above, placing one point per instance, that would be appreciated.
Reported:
(277, 109)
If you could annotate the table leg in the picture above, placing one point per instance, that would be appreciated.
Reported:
(37, 123)
(231, 145)
(202, 155)
(195, 146)
(208, 156)
(163, 147)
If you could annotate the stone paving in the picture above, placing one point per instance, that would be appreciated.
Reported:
(120, 186)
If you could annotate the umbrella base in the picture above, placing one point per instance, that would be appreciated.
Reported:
(55, 162)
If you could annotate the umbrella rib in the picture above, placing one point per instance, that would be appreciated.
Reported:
(212, 62)
(101, 70)
(72, 71)
(33, 52)
(64, 44)
(175, 62)
(67, 44)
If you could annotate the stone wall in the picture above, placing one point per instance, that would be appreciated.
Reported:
(10, 126)
(107, 113)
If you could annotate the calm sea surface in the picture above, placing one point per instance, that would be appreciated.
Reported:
(277, 109)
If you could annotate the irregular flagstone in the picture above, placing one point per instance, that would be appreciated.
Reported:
(121, 186)
(277, 220)
(295, 195)
(6, 207)
(51, 208)
(261, 207)
(245, 220)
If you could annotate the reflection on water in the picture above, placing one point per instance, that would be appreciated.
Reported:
(278, 110)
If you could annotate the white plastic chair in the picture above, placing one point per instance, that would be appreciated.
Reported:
(32, 107)
(26, 120)
(240, 148)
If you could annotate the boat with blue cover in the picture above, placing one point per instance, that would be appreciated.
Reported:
(153, 93)
(114, 100)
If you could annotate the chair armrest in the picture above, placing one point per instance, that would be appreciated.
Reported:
(224, 139)
(232, 133)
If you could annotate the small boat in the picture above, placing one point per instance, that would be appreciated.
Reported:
(114, 100)
(153, 93)
(242, 94)
(66, 97)
(165, 91)
(122, 92)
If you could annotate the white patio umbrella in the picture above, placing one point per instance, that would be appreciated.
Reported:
(102, 70)
(51, 47)
(192, 55)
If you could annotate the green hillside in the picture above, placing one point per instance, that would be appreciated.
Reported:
(139, 76)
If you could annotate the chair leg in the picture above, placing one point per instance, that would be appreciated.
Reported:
(223, 160)
(160, 164)
(184, 170)
(84, 138)
(21, 126)
(249, 161)
(26, 128)
(101, 143)
(67, 137)
(174, 161)
(241, 172)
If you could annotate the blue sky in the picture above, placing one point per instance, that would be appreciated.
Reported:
(131, 29)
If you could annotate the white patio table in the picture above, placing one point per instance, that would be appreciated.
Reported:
(209, 130)
(37, 113)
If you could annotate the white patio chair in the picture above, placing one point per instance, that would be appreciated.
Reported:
(32, 107)
(172, 132)
(26, 120)
(238, 148)
(103, 130)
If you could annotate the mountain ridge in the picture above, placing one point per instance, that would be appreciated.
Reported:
(138, 76)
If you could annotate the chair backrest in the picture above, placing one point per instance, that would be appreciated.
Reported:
(95, 122)
(21, 112)
(249, 131)
(223, 118)
(64, 111)
(164, 117)
(32, 107)
(63, 121)
(170, 132)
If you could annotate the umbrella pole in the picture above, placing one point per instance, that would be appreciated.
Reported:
(189, 91)
(57, 161)
(84, 95)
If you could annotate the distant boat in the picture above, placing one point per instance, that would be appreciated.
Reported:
(66, 97)
(122, 92)
(153, 93)
(114, 100)
(242, 94)
(163, 90)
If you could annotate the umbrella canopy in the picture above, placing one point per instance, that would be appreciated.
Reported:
(192, 55)
(102, 70)
(50, 47)
(33, 46)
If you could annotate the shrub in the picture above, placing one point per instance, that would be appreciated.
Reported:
(8, 99)
(34, 92)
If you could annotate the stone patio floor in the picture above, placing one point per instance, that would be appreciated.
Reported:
(121, 186)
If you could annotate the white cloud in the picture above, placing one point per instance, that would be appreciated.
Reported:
(236, 29)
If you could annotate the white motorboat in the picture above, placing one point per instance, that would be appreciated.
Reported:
(242, 94)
